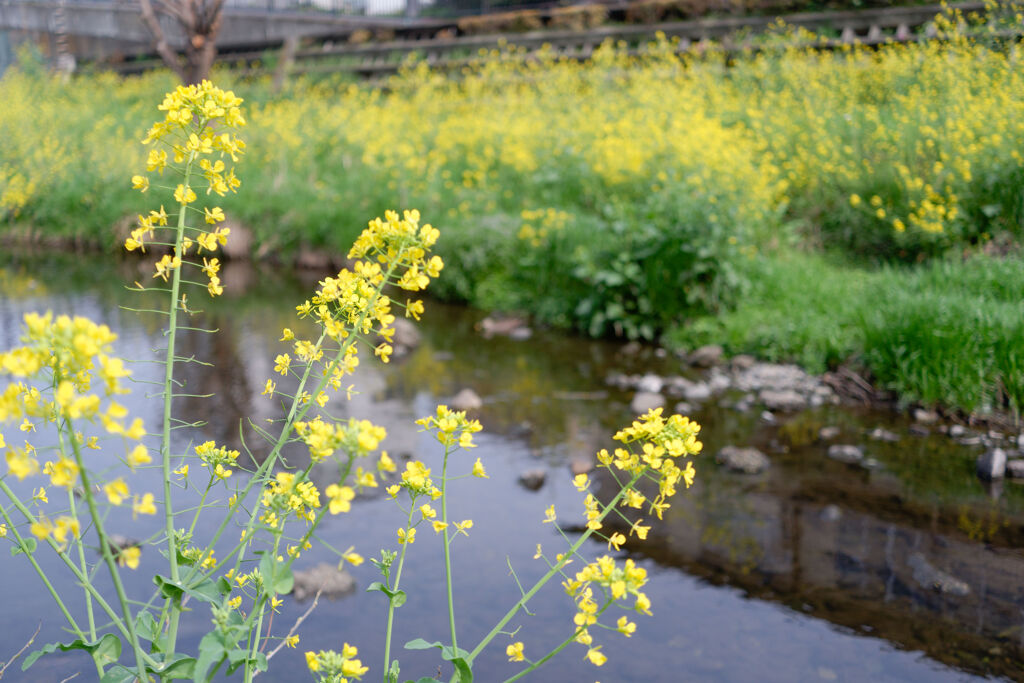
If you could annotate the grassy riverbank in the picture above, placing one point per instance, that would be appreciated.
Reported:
(627, 196)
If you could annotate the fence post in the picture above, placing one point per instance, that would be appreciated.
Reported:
(291, 44)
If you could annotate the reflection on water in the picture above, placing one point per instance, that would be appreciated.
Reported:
(814, 570)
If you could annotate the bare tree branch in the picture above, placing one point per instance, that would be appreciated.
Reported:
(33, 639)
(169, 56)
(295, 626)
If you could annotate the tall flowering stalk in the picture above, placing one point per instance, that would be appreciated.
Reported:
(65, 377)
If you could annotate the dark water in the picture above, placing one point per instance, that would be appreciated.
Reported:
(814, 570)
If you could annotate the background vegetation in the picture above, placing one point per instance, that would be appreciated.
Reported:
(801, 204)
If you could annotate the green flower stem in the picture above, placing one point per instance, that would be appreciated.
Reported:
(83, 578)
(35, 565)
(199, 509)
(561, 646)
(254, 634)
(108, 557)
(556, 568)
(447, 546)
(73, 507)
(391, 603)
(165, 443)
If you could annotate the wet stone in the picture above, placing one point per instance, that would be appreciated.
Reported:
(333, 582)
(467, 399)
(992, 464)
(684, 408)
(745, 460)
(646, 400)
(707, 356)
(1015, 469)
(532, 480)
(957, 431)
(828, 433)
(846, 453)
(742, 362)
(785, 400)
(918, 430)
(879, 434)
(830, 513)
(697, 392)
(935, 579)
(650, 384)
(581, 465)
(925, 416)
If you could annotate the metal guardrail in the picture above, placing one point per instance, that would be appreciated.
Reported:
(377, 59)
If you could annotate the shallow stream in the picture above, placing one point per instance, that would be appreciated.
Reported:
(908, 569)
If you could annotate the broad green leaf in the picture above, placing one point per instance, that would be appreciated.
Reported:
(27, 542)
(396, 597)
(106, 650)
(420, 644)
(211, 651)
(168, 588)
(119, 674)
(145, 626)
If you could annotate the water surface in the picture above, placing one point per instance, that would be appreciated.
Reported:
(811, 571)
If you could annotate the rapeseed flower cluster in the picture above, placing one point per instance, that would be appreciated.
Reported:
(329, 666)
(67, 377)
(656, 450)
(197, 136)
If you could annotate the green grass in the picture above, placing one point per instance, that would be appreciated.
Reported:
(949, 333)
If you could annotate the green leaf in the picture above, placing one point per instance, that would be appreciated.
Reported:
(181, 666)
(145, 627)
(236, 658)
(211, 651)
(420, 644)
(207, 590)
(425, 679)
(168, 588)
(106, 650)
(27, 543)
(463, 668)
(119, 674)
(396, 597)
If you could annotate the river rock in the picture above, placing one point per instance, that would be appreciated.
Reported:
(706, 356)
(784, 400)
(956, 431)
(240, 241)
(745, 460)
(718, 381)
(512, 327)
(828, 433)
(467, 399)
(925, 416)
(646, 400)
(333, 581)
(1015, 469)
(650, 383)
(830, 513)
(992, 464)
(879, 434)
(846, 453)
(684, 408)
(533, 479)
(696, 392)
(935, 579)
(918, 430)
(581, 464)
(742, 362)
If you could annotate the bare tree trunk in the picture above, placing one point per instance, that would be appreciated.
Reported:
(200, 20)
